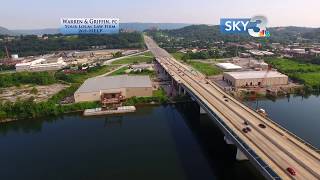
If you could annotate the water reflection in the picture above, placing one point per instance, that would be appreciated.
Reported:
(115, 122)
(160, 142)
(298, 114)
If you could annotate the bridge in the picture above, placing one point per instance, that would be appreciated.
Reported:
(272, 149)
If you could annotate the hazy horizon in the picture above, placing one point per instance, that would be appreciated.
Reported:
(33, 14)
(154, 23)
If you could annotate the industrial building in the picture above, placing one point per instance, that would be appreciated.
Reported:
(228, 66)
(112, 89)
(258, 53)
(41, 65)
(255, 78)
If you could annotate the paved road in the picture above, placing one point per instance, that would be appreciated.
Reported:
(276, 146)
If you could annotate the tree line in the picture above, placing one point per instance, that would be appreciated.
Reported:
(16, 79)
(31, 45)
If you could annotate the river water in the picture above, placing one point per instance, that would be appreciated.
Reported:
(158, 142)
(298, 114)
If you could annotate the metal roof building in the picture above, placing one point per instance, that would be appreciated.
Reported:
(128, 86)
(228, 66)
(255, 78)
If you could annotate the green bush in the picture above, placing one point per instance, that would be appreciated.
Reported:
(303, 72)
(38, 78)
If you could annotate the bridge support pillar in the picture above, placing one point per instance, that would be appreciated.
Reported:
(179, 90)
(241, 156)
(202, 111)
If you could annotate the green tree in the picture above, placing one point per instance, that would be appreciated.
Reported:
(34, 90)
(117, 54)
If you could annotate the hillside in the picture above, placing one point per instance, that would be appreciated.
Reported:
(32, 45)
(36, 31)
(126, 26)
(145, 26)
(315, 34)
(212, 33)
(5, 31)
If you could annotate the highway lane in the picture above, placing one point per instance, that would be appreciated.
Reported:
(253, 115)
(237, 123)
(276, 147)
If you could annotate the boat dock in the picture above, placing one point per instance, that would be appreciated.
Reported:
(100, 111)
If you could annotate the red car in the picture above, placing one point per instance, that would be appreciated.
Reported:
(291, 171)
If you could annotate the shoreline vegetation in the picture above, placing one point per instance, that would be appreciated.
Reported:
(28, 109)
(303, 72)
(205, 68)
(32, 45)
(306, 73)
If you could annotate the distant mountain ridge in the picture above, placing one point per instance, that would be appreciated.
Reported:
(212, 33)
(282, 34)
(127, 26)
(5, 31)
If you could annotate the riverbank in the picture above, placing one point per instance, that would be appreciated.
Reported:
(28, 109)
(297, 113)
(303, 72)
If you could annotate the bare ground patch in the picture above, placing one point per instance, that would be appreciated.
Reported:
(40, 93)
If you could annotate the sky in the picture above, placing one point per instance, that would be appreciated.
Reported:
(38, 14)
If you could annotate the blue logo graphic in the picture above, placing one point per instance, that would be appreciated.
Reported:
(89, 26)
(255, 27)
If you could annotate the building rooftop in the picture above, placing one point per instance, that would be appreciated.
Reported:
(114, 82)
(255, 74)
(228, 66)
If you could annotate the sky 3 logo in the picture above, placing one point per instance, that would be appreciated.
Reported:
(256, 26)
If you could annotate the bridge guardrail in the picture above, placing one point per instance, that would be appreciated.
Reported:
(284, 129)
(267, 170)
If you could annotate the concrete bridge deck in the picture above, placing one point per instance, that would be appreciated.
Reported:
(272, 149)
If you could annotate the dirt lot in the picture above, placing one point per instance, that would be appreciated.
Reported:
(40, 93)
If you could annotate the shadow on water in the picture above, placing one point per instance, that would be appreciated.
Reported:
(27, 126)
(210, 139)
(162, 142)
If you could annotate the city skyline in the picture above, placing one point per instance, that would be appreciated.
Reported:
(33, 14)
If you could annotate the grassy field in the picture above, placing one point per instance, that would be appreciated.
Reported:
(123, 71)
(80, 78)
(177, 55)
(148, 54)
(134, 60)
(120, 71)
(308, 74)
(291, 66)
(205, 68)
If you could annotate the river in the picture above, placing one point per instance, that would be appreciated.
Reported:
(156, 142)
(298, 114)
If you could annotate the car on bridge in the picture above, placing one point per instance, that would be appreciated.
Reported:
(291, 171)
(262, 126)
(246, 129)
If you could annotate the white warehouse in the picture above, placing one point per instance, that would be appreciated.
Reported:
(41, 65)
